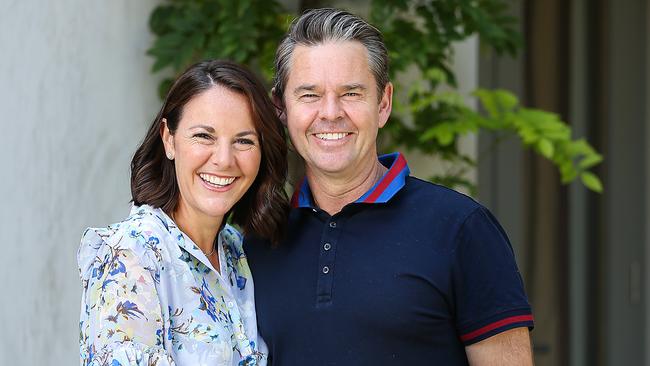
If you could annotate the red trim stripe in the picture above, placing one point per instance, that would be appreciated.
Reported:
(397, 167)
(495, 325)
(296, 193)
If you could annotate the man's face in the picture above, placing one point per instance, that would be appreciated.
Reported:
(332, 109)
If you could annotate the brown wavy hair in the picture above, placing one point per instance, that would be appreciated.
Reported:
(263, 209)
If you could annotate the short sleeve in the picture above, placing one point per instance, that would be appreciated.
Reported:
(488, 290)
(121, 321)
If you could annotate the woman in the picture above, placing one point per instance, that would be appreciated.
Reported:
(170, 284)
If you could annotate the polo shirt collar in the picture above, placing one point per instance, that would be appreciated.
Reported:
(392, 181)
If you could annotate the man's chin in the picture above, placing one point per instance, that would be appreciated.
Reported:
(332, 167)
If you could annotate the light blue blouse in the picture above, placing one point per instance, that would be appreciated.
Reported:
(151, 297)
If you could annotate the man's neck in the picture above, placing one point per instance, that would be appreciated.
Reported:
(332, 192)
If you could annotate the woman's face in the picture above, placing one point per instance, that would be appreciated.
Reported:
(216, 152)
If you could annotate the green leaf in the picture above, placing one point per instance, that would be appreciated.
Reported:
(590, 161)
(591, 181)
(436, 74)
(528, 135)
(545, 148)
(488, 102)
(567, 171)
(161, 63)
(159, 19)
(507, 101)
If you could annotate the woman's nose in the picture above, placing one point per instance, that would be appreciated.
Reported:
(222, 156)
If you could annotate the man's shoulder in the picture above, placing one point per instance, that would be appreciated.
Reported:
(444, 200)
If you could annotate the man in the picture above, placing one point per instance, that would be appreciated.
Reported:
(379, 268)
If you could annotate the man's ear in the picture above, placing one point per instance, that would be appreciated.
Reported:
(385, 104)
(167, 138)
(280, 109)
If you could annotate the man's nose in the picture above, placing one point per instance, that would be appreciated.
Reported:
(331, 108)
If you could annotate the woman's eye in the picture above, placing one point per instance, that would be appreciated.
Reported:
(202, 135)
(244, 144)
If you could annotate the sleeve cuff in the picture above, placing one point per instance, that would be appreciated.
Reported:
(497, 324)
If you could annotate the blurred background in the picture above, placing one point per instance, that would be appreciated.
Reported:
(77, 93)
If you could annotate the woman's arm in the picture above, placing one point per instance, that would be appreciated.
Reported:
(121, 316)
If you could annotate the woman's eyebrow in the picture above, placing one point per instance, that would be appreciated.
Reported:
(205, 127)
(246, 133)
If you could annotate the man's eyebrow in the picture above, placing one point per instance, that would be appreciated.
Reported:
(354, 86)
(304, 87)
(205, 127)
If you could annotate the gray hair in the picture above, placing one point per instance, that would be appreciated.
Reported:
(318, 26)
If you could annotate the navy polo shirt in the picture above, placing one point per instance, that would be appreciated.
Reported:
(410, 273)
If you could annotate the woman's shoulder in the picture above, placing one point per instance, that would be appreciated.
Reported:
(239, 272)
(232, 239)
(143, 233)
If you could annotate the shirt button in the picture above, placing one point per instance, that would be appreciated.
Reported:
(231, 304)
(332, 224)
(327, 246)
(240, 336)
(326, 269)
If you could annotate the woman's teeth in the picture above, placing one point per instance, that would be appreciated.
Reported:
(217, 181)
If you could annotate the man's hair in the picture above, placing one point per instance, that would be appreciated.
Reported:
(318, 26)
(263, 209)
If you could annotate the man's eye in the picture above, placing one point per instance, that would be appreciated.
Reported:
(308, 96)
(351, 94)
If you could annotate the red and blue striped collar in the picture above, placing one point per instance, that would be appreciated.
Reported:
(381, 192)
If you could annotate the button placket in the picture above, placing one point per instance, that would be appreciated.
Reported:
(326, 261)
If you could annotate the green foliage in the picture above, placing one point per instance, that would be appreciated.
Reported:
(419, 35)
(543, 132)
(188, 31)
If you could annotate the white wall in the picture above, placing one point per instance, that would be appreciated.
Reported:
(76, 95)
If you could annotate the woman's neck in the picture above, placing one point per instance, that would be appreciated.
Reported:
(201, 229)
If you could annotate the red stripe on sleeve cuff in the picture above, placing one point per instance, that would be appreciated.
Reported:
(495, 325)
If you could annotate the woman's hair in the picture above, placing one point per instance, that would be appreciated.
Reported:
(263, 209)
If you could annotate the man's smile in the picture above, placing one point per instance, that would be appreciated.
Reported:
(329, 136)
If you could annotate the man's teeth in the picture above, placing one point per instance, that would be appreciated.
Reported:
(331, 136)
(219, 181)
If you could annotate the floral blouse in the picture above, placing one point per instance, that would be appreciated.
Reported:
(151, 297)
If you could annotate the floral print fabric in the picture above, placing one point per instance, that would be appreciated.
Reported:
(151, 297)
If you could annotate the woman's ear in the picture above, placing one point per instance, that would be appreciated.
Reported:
(167, 138)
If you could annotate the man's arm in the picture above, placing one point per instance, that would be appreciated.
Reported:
(510, 348)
